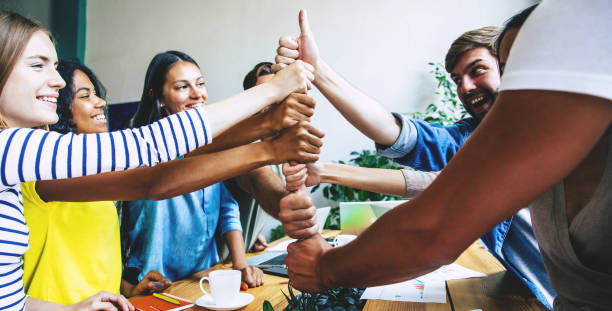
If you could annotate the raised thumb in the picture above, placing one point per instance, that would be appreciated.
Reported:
(304, 24)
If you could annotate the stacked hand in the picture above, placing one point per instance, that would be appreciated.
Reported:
(304, 263)
(299, 175)
(300, 142)
(297, 77)
(297, 213)
(295, 108)
(304, 256)
(302, 48)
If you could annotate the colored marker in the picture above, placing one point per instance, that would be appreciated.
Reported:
(166, 298)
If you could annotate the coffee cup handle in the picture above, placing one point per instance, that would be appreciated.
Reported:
(201, 287)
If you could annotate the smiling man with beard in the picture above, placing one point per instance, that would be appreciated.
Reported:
(472, 63)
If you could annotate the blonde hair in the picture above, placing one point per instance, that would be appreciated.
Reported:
(15, 33)
(481, 37)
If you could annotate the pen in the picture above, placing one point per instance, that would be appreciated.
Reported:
(166, 298)
(269, 266)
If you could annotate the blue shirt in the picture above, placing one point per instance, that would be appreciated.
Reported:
(429, 147)
(176, 236)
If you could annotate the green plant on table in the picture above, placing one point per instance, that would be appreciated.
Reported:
(337, 299)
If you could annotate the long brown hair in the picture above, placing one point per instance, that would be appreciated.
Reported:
(15, 33)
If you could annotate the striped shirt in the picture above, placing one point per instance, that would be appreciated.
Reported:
(29, 155)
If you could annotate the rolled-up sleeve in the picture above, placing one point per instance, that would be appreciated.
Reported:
(417, 181)
(404, 143)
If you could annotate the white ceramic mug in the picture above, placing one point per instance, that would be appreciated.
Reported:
(224, 286)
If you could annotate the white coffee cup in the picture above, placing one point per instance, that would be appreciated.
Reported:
(224, 286)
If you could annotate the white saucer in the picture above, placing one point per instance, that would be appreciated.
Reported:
(242, 300)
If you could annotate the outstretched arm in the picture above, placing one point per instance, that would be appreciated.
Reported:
(295, 108)
(226, 113)
(301, 141)
(500, 169)
(398, 183)
(367, 115)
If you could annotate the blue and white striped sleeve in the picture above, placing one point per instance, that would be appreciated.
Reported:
(29, 155)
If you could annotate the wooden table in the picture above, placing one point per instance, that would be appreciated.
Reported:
(500, 290)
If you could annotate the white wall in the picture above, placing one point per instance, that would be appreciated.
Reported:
(382, 47)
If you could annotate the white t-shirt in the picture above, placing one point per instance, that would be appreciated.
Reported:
(565, 45)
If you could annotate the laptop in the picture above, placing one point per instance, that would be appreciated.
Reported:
(355, 217)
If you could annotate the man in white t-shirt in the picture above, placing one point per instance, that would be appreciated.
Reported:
(555, 105)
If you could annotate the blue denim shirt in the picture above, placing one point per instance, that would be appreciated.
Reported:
(429, 147)
(176, 236)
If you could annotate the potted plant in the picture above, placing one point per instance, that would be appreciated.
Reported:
(340, 298)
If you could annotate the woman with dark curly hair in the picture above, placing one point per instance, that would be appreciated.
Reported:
(54, 264)
(67, 70)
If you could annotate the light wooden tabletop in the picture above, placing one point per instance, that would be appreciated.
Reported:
(498, 291)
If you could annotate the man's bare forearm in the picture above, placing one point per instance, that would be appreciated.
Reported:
(387, 181)
(501, 168)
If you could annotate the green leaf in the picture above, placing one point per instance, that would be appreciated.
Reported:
(315, 188)
(287, 298)
(267, 306)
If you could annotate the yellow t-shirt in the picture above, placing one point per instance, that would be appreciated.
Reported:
(75, 249)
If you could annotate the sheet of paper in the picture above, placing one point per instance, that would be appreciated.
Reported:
(427, 288)
(415, 290)
(452, 272)
(282, 246)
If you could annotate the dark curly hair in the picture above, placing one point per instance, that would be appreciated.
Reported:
(261, 69)
(66, 69)
(150, 110)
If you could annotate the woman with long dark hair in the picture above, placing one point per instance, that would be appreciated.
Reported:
(176, 236)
